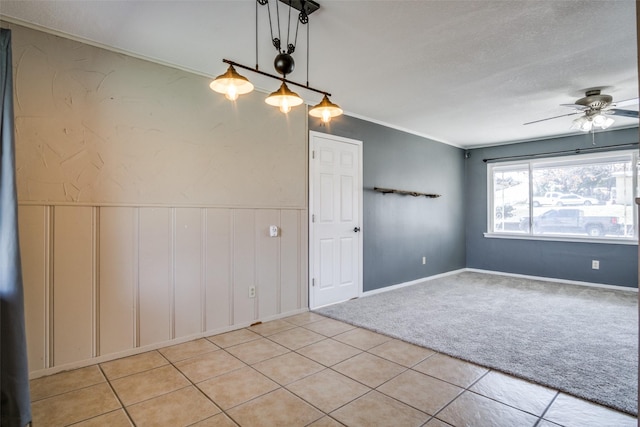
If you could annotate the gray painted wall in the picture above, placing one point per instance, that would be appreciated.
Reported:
(399, 230)
(562, 260)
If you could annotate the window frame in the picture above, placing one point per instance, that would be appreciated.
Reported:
(577, 159)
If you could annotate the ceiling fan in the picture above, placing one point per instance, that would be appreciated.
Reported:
(595, 108)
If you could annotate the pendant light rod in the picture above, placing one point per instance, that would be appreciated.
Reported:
(255, 70)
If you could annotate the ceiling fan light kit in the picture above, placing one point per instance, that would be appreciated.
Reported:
(602, 121)
(231, 84)
(587, 123)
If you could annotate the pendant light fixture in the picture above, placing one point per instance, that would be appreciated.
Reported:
(325, 110)
(232, 84)
(284, 98)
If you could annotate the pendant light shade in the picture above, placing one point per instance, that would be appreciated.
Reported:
(284, 98)
(231, 84)
(325, 110)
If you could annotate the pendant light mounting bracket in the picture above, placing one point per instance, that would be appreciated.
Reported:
(306, 7)
(273, 76)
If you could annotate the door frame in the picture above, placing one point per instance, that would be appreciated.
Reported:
(311, 187)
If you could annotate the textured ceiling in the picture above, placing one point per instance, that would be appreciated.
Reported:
(467, 73)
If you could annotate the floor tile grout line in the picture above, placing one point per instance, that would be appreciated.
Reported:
(352, 400)
(222, 410)
(298, 379)
(257, 337)
(468, 389)
(94, 417)
(190, 384)
(158, 367)
(313, 321)
(113, 390)
(190, 357)
(104, 377)
(345, 404)
(507, 404)
(324, 320)
(138, 372)
(408, 404)
(409, 367)
(548, 406)
(464, 389)
(354, 379)
(68, 391)
(332, 339)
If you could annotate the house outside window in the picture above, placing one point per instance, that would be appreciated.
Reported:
(578, 197)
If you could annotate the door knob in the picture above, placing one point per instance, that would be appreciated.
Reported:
(356, 229)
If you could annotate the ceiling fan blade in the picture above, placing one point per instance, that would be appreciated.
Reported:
(623, 113)
(626, 102)
(555, 117)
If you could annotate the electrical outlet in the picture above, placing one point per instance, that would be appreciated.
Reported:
(595, 264)
(252, 292)
(273, 231)
(424, 260)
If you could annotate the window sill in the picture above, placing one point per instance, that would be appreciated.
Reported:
(558, 238)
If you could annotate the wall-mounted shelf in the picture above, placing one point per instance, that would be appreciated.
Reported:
(409, 193)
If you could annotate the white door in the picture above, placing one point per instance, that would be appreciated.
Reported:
(335, 210)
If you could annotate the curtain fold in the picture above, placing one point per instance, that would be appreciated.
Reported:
(15, 405)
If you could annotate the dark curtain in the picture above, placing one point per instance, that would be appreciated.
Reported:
(15, 405)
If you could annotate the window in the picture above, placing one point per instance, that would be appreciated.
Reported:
(585, 196)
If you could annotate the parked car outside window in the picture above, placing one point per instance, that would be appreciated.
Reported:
(575, 200)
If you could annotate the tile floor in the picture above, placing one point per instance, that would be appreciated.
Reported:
(305, 370)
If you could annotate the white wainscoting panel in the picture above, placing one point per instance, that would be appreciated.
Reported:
(155, 313)
(73, 284)
(117, 279)
(34, 252)
(188, 286)
(291, 267)
(244, 268)
(267, 263)
(102, 281)
(218, 267)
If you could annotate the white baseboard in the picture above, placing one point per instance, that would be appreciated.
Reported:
(553, 279)
(410, 283)
(138, 350)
